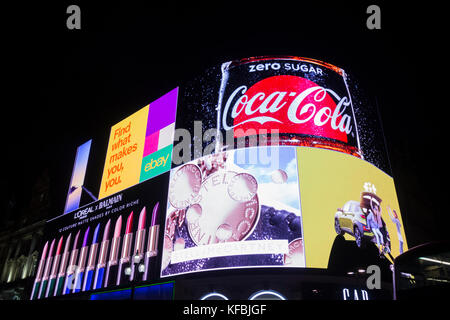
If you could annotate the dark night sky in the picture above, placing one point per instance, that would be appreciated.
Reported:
(67, 86)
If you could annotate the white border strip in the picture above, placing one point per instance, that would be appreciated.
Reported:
(235, 248)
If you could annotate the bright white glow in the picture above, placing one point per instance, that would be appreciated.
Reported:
(437, 280)
(345, 293)
(266, 292)
(407, 275)
(278, 246)
(365, 295)
(435, 261)
(214, 294)
(24, 271)
(10, 274)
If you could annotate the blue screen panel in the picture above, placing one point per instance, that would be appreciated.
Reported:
(163, 291)
(112, 295)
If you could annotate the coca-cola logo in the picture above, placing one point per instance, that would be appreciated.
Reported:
(290, 104)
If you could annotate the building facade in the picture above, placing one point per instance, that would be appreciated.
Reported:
(20, 236)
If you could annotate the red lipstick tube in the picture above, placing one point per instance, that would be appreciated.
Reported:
(123, 276)
(152, 245)
(62, 268)
(138, 252)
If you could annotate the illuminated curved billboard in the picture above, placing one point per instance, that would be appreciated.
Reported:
(263, 162)
(286, 159)
(140, 146)
(227, 211)
(305, 101)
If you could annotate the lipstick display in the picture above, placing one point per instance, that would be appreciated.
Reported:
(37, 281)
(79, 272)
(48, 265)
(103, 255)
(113, 262)
(106, 244)
(63, 267)
(90, 267)
(138, 252)
(152, 245)
(69, 280)
(54, 271)
(124, 272)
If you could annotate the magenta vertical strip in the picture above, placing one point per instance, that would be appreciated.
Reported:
(162, 112)
(151, 143)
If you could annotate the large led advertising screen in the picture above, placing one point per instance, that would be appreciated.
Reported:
(113, 241)
(266, 162)
(277, 206)
(343, 196)
(297, 98)
(282, 100)
(278, 110)
(110, 242)
(140, 146)
(238, 208)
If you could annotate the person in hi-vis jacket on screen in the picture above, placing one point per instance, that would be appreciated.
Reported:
(394, 217)
(373, 225)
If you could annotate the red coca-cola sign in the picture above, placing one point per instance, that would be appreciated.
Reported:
(305, 101)
(289, 104)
